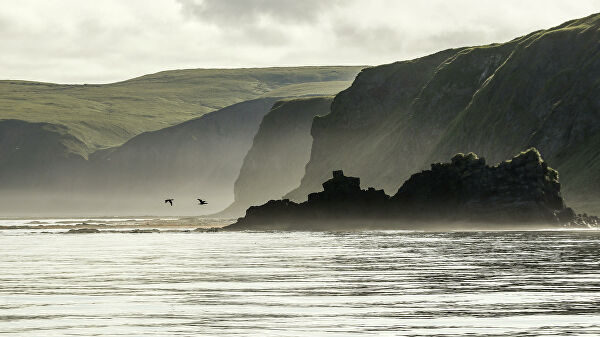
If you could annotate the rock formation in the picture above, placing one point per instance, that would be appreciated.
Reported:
(463, 193)
(341, 204)
(523, 189)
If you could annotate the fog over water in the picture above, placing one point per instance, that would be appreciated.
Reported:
(300, 283)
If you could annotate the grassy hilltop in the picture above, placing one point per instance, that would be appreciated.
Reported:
(107, 115)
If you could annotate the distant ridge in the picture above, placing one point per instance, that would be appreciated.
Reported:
(106, 115)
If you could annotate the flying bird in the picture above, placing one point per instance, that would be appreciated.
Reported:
(170, 201)
(201, 202)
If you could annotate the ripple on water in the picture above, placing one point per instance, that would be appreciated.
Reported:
(290, 284)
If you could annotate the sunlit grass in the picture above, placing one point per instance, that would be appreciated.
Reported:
(107, 115)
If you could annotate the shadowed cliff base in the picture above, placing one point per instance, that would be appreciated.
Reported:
(523, 192)
(275, 163)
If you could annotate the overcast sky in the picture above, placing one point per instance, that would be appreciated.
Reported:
(84, 41)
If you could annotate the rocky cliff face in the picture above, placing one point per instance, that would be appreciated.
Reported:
(537, 90)
(464, 193)
(196, 159)
(275, 163)
(171, 151)
(523, 189)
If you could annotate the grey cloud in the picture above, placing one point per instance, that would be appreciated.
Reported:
(4, 24)
(112, 40)
(244, 12)
(374, 39)
(256, 35)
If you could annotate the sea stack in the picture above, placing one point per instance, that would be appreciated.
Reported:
(523, 192)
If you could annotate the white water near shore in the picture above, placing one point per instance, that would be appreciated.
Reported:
(110, 223)
(379, 283)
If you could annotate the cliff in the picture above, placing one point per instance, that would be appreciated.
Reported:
(538, 90)
(275, 163)
(107, 115)
(523, 192)
(198, 158)
(121, 148)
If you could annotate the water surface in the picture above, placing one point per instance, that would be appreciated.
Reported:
(300, 284)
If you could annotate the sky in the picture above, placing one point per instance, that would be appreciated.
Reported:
(78, 41)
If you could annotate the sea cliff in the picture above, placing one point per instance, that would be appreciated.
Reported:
(538, 90)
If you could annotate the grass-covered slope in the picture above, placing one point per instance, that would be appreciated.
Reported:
(538, 90)
(199, 158)
(275, 163)
(32, 154)
(107, 115)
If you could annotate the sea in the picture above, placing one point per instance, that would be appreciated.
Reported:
(370, 283)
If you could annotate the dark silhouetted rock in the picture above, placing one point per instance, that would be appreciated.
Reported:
(207, 230)
(523, 189)
(82, 231)
(143, 231)
(339, 205)
(465, 192)
(583, 221)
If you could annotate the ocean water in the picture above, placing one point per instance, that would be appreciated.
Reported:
(538, 283)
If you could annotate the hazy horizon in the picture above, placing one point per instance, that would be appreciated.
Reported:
(75, 42)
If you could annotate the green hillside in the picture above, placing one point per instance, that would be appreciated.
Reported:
(107, 115)
(540, 90)
(199, 157)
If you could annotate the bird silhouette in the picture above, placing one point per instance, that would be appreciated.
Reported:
(170, 201)
(201, 202)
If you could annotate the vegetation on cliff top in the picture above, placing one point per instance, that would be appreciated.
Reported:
(538, 90)
(106, 115)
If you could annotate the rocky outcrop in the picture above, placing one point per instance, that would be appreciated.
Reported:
(539, 90)
(521, 192)
(341, 204)
(582, 220)
(280, 150)
(82, 231)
